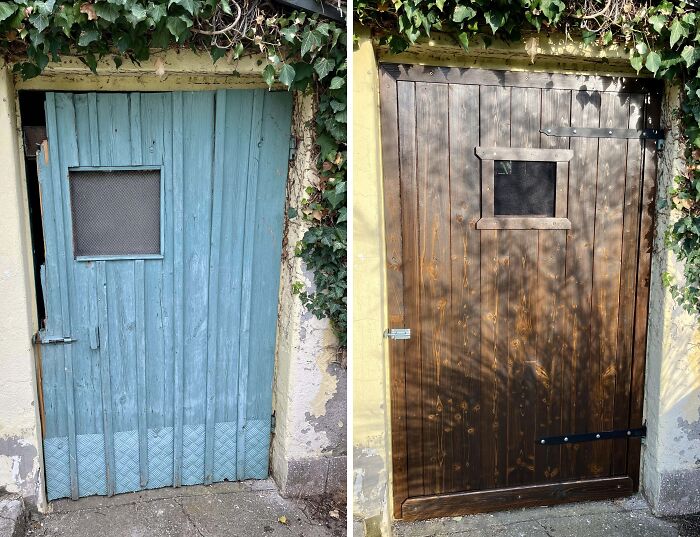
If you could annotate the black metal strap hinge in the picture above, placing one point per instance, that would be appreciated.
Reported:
(588, 132)
(639, 432)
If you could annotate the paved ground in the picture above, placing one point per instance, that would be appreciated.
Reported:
(249, 509)
(12, 515)
(630, 517)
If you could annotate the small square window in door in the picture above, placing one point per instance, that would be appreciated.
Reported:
(526, 188)
(116, 212)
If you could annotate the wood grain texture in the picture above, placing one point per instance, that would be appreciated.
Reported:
(522, 327)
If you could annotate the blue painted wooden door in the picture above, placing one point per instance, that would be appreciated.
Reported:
(165, 375)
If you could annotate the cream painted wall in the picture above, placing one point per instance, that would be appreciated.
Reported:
(371, 451)
(20, 433)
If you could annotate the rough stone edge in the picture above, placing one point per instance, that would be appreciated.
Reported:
(307, 478)
(17, 521)
(678, 493)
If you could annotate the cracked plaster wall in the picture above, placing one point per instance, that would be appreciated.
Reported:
(20, 446)
(671, 456)
(309, 447)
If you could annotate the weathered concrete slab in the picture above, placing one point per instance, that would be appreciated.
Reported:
(12, 516)
(223, 510)
(630, 517)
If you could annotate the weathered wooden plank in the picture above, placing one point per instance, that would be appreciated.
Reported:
(465, 312)
(456, 75)
(411, 276)
(468, 503)
(630, 244)
(551, 327)
(522, 222)
(432, 174)
(576, 385)
(178, 260)
(273, 139)
(523, 153)
(494, 112)
(253, 154)
(140, 326)
(607, 251)
(106, 381)
(393, 218)
(213, 299)
(646, 232)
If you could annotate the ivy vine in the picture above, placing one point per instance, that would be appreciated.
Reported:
(305, 53)
(661, 37)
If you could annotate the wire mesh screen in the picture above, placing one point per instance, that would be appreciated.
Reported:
(524, 188)
(115, 212)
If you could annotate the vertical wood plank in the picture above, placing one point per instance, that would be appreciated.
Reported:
(106, 384)
(607, 251)
(246, 283)
(178, 282)
(411, 290)
(630, 244)
(552, 331)
(646, 240)
(465, 309)
(494, 125)
(61, 123)
(213, 300)
(575, 374)
(525, 126)
(140, 306)
(393, 217)
(433, 205)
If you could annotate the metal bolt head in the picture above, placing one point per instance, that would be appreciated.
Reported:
(549, 130)
(566, 439)
(542, 441)
(597, 436)
(610, 133)
(575, 131)
(629, 433)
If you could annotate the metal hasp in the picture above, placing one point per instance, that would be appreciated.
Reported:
(329, 10)
(398, 333)
(588, 132)
(51, 340)
(640, 432)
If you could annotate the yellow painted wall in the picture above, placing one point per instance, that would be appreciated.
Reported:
(371, 474)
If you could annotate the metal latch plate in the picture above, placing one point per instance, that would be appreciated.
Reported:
(398, 333)
(639, 432)
(591, 132)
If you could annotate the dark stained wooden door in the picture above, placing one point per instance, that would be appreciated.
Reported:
(518, 333)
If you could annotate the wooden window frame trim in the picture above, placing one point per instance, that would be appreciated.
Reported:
(488, 155)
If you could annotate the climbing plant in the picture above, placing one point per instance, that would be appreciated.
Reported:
(661, 37)
(305, 52)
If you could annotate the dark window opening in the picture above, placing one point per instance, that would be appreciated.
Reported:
(33, 118)
(524, 188)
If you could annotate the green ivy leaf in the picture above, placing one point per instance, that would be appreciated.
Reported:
(7, 9)
(678, 30)
(310, 40)
(287, 74)
(463, 38)
(336, 83)
(189, 5)
(289, 33)
(269, 74)
(690, 55)
(323, 66)
(658, 22)
(653, 62)
(495, 20)
(552, 9)
(87, 37)
(40, 21)
(463, 12)
(107, 11)
(177, 26)
(637, 63)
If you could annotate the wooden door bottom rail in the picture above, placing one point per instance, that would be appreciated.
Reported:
(468, 503)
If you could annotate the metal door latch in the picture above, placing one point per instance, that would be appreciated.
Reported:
(639, 432)
(398, 333)
(44, 340)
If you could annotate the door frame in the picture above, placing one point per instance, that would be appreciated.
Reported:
(187, 72)
(394, 220)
